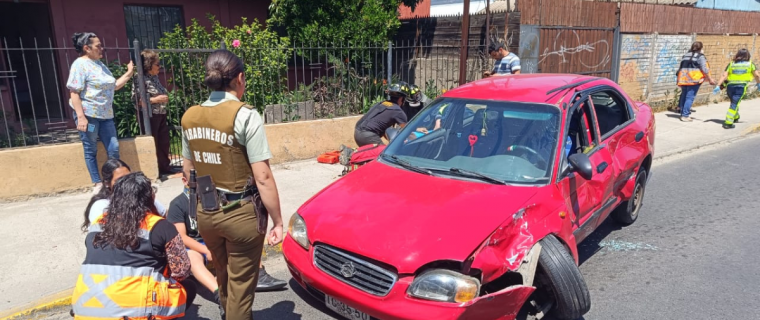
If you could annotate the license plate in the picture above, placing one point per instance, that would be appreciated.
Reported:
(344, 310)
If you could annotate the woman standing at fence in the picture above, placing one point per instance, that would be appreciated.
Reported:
(92, 88)
(691, 74)
(739, 74)
(159, 98)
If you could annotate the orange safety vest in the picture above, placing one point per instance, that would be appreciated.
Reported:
(690, 73)
(114, 283)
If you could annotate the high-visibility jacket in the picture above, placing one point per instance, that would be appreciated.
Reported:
(740, 72)
(690, 72)
(115, 283)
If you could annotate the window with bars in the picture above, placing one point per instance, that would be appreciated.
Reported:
(149, 23)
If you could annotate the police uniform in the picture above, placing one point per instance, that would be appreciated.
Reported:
(222, 137)
(739, 76)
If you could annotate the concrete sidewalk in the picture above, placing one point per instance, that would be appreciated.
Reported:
(44, 247)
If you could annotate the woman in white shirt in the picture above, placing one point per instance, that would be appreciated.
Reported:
(112, 170)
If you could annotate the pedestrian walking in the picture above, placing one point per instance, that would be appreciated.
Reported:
(739, 74)
(224, 141)
(92, 87)
(159, 100)
(136, 266)
(505, 63)
(691, 74)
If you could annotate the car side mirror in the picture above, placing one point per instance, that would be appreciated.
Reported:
(580, 163)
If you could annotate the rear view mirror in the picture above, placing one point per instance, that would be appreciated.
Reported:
(581, 164)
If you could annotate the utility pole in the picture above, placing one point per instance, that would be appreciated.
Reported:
(465, 43)
(488, 23)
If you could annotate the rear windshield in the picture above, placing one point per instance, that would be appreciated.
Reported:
(510, 141)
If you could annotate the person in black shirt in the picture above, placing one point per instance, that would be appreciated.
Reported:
(371, 127)
(198, 252)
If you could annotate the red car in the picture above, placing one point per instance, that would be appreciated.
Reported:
(475, 210)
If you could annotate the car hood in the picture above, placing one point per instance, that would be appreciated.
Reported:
(407, 219)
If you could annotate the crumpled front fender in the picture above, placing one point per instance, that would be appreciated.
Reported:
(501, 305)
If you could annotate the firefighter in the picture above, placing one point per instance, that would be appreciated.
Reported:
(739, 73)
(415, 102)
(371, 127)
(224, 138)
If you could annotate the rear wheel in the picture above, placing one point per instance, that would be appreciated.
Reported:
(627, 212)
(560, 288)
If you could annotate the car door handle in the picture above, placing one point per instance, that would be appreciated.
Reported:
(639, 136)
(601, 167)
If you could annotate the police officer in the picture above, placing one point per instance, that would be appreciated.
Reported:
(739, 73)
(371, 127)
(224, 138)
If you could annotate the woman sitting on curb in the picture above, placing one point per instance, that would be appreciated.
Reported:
(112, 170)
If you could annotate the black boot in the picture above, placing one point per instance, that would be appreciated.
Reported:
(219, 302)
(267, 282)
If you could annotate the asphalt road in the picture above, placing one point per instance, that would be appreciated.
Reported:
(692, 254)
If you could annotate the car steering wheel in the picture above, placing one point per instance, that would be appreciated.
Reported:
(534, 152)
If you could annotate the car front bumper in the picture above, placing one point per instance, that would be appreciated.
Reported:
(397, 305)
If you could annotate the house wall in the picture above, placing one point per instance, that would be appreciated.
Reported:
(741, 5)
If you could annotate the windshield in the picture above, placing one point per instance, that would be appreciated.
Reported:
(509, 141)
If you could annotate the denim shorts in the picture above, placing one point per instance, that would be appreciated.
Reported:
(204, 256)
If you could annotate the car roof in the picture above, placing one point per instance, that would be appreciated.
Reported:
(523, 87)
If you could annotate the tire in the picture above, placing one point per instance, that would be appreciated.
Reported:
(565, 284)
(627, 212)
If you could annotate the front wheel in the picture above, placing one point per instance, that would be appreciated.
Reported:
(627, 212)
(560, 289)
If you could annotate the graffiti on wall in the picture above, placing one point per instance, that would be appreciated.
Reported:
(635, 52)
(568, 43)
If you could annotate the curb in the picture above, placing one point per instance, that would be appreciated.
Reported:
(755, 128)
(55, 303)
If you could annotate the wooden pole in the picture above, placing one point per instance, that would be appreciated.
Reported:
(465, 43)
(488, 23)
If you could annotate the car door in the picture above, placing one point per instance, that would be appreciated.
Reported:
(586, 198)
(618, 133)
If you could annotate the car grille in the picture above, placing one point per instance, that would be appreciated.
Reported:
(354, 270)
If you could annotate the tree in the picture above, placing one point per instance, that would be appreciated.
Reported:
(328, 22)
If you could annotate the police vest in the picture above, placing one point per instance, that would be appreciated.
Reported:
(690, 73)
(213, 144)
(115, 283)
(740, 72)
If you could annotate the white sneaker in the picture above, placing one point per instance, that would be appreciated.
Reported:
(96, 189)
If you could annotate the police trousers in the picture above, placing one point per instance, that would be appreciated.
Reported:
(236, 246)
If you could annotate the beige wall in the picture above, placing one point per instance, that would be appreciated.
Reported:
(720, 51)
(45, 170)
(308, 139)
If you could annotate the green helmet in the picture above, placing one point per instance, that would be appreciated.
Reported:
(398, 90)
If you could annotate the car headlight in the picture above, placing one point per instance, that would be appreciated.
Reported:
(297, 230)
(445, 286)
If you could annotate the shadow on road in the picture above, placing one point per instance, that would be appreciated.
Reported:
(282, 310)
(311, 300)
(192, 313)
(590, 245)
(715, 120)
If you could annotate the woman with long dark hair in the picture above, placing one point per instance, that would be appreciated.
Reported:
(135, 260)
(692, 73)
(739, 73)
(92, 87)
(112, 170)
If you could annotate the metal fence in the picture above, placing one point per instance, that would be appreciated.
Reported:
(302, 82)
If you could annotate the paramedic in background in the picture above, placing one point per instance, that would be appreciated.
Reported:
(506, 62)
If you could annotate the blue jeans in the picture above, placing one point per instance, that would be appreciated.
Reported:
(105, 129)
(735, 93)
(688, 93)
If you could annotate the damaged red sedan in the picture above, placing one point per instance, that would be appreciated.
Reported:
(475, 209)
